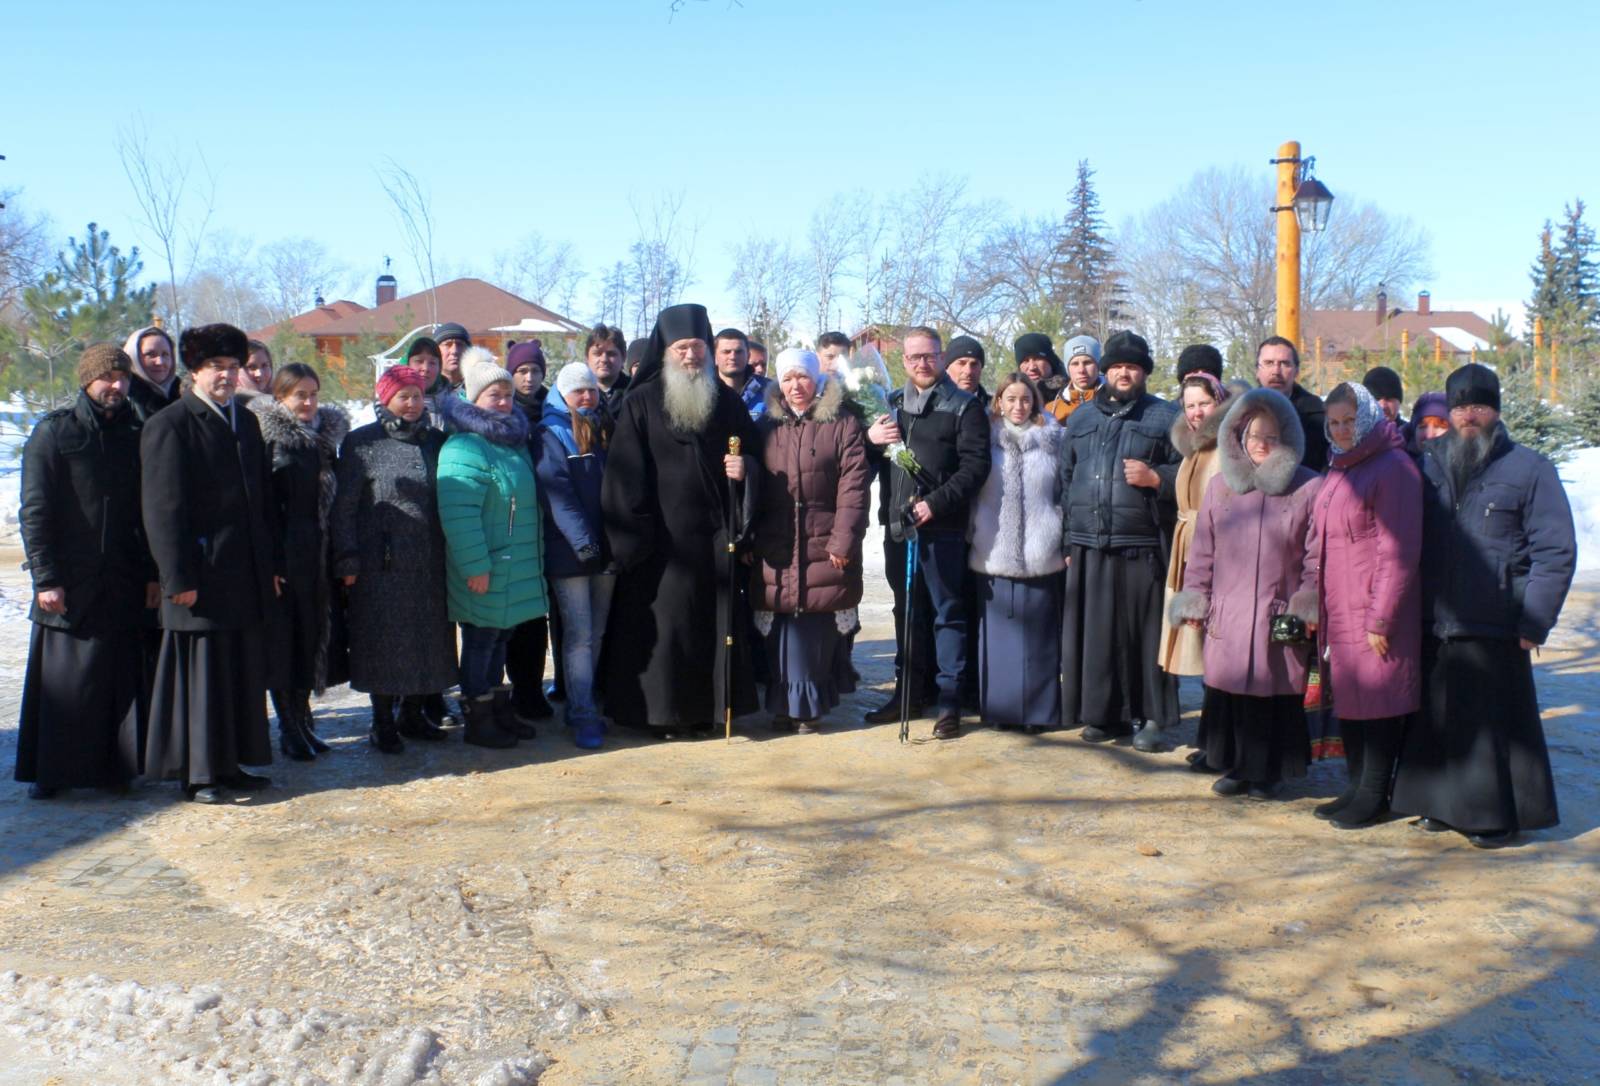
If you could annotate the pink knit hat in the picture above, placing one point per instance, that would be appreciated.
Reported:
(395, 378)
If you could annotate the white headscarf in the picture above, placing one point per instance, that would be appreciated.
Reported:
(798, 358)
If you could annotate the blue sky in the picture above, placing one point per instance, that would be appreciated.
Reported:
(1476, 119)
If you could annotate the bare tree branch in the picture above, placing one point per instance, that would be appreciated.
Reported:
(160, 183)
(413, 207)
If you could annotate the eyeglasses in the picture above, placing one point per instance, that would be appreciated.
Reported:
(922, 358)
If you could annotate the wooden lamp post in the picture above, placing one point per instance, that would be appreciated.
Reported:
(1303, 204)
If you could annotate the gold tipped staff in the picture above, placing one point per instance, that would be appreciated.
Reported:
(734, 446)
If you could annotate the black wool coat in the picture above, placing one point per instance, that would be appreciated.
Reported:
(80, 518)
(950, 440)
(666, 506)
(208, 515)
(302, 495)
(147, 399)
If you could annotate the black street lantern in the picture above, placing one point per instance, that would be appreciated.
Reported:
(1312, 201)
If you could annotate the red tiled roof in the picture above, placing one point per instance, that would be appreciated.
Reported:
(477, 305)
(311, 320)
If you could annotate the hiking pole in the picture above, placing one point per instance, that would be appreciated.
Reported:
(906, 638)
(728, 610)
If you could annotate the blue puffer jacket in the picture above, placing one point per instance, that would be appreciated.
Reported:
(489, 510)
(569, 494)
(1497, 558)
(1102, 510)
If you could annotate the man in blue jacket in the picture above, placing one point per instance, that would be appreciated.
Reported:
(1118, 468)
(731, 352)
(1498, 553)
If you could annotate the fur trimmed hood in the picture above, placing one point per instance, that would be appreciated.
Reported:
(1188, 442)
(825, 408)
(1276, 474)
(280, 427)
(460, 417)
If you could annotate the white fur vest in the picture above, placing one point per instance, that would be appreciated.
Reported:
(1016, 519)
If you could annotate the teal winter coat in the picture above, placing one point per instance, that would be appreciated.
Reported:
(489, 510)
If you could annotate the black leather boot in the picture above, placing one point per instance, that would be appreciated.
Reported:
(1353, 733)
(308, 727)
(413, 722)
(437, 710)
(290, 740)
(1381, 747)
(384, 735)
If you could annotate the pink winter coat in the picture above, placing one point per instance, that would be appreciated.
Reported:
(1366, 544)
(1248, 560)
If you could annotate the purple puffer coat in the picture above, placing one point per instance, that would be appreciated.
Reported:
(1366, 544)
(1248, 561)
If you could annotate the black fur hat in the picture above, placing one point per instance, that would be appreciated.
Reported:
(1127, 347)
(208, 341)
(1199, 356)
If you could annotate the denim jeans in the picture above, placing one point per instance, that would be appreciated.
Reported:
(483, 659)
(584, 603)
(941, 567)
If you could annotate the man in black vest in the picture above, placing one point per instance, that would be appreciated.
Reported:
(947, 431)
(83, 696)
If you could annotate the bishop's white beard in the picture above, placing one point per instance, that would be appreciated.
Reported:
(688, 396)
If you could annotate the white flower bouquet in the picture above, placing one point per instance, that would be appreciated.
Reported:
(866, 383)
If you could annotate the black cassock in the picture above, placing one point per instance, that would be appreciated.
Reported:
(666, 505)
(83, 697)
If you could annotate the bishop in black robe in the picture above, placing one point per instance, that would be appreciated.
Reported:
(671, 512)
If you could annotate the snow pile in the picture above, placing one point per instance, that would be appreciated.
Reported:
(1581, 476)
(170, 1033)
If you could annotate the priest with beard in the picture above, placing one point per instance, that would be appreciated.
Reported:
(671, 497)
(1117, 473)
(1498, 554)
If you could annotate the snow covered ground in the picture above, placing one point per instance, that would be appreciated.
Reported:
(1581, 475)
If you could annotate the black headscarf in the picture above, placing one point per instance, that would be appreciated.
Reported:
(686, 321)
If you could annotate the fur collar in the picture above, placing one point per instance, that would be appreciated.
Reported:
(825, 408)
(1188, 442)
(1275, 475)
(280, 427)
(1045, 433)
(460, 417)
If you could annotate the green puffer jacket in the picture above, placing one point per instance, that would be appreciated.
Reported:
(489, 509)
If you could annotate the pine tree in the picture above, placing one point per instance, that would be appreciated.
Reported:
(1586, 413)
(1085, 284)
(87, 298)
(1546, 299)
(1577, 279)
(110, 305)
(1530, 420)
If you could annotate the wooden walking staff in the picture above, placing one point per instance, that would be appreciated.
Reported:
(734, 446)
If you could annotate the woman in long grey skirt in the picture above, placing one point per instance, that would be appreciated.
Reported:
(811, 518)
(1016, 547)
